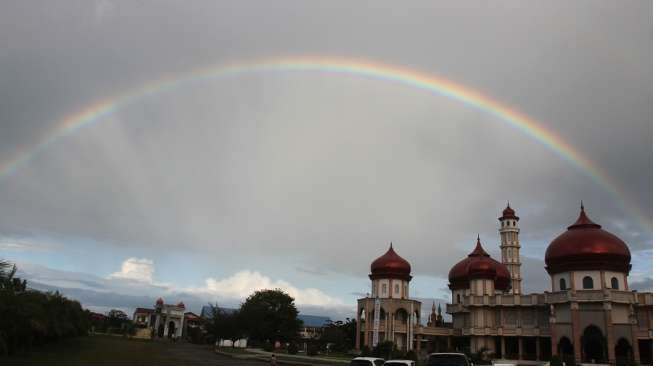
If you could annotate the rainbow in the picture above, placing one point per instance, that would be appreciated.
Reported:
(361, 68)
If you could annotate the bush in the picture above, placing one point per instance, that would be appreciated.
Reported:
(384, 350)
(365, 351)
(292, 348)
(555, 361)
(411, 355)
(29, 317)
(195, 335)
(4, 350)
(268, 347)
(569, 360)
(312, 350)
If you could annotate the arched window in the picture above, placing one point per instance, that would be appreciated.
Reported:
(588, 283)
(563, 284)
(614, 283)
(384, 289)
(458, 299)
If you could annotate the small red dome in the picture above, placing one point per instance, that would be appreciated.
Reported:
(390, 265)
(159, 301)
(585, 246)
(508, 213)
(181, 305)
(479, 264)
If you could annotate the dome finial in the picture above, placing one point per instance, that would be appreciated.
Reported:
(478, 250)
(390, 245)
(583, 220)
(508, 205)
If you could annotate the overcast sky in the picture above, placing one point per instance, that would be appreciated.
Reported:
(299, 179)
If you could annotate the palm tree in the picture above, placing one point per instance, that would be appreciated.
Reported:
(4, 267)
(7, 272)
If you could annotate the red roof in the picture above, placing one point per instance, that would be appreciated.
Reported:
(585, 246)
(508, 213)
(390, 265)
(479, 264)
(98, 316)
(191, 316)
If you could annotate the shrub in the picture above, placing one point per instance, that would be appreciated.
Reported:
(268, 347)
(4, 350)
(555, 361)
(384, 350)
(365, 351)
(411, 355)
(292, 348)
(29, 317)
(312, 350)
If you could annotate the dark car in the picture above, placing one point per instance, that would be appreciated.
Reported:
(448, 359)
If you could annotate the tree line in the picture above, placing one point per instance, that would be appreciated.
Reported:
(32, 318)
(270, 317)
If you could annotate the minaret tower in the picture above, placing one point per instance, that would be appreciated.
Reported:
(509, 231)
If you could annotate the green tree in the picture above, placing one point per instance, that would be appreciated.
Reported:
(31, 318)
(341, 336)
(270, 315)
(226, 324)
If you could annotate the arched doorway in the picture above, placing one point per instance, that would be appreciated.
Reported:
(161, 330)
(401, 315)
(565, 348)
(171, 329)
(623, 352)
(593, 350)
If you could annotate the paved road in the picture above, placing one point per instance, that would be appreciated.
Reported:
(192, 355)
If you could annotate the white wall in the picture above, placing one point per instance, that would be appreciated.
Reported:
(399, 289)
(596, 277)
(556, 281)
(579, 275)
(621, 279)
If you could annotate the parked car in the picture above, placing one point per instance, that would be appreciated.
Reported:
(399, 363)
(448, 359)
(366, 361)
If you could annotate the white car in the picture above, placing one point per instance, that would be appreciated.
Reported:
(366, 361)
(399, 363)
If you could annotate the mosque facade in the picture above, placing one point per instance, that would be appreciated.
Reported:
(588, 314)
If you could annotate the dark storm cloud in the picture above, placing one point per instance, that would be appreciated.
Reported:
(333, 168)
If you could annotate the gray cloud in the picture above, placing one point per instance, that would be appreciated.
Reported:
(332, 167)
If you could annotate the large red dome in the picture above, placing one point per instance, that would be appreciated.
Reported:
(390, 265)
(479, 264)
(585, 246)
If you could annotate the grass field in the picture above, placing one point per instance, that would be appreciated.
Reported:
(102, 350)
(118, 351)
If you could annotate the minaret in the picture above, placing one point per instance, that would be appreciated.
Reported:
(439, 320)
(509, 231)
(432, 317)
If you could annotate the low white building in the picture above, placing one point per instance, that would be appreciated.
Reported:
(168, 320)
